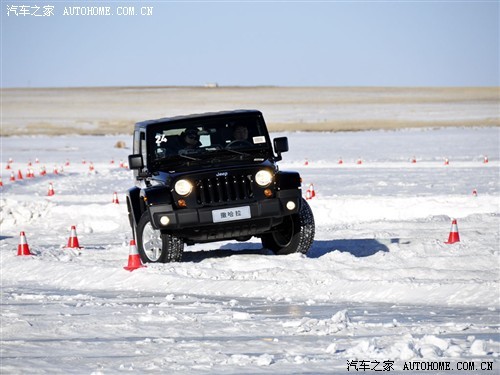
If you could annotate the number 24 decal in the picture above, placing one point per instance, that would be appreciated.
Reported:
(160, 138)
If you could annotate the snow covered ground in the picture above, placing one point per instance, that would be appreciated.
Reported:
(379, 284)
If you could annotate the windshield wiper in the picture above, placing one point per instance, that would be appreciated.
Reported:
(237, 152)
(188, 157)
(173, 160)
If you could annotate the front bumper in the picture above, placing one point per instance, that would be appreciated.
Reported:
(198, 224)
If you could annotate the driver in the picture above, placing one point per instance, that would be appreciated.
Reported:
(240, 133)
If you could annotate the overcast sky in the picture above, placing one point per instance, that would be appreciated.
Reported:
(416, 43)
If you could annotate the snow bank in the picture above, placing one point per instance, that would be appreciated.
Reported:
(379, 282)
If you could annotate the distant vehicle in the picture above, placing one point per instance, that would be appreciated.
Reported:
(221, 187)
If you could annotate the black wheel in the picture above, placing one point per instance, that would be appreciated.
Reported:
(155, 246)
(294, 235)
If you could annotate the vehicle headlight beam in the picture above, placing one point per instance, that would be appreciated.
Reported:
(183, 187)
(263, 178)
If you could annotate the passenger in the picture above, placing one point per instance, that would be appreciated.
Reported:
(190, 138)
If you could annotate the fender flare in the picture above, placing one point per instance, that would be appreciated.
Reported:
(135, 206)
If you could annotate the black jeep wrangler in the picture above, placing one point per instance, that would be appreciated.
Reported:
(212, 177)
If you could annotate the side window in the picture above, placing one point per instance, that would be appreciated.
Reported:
(136, 142)
(143, 147)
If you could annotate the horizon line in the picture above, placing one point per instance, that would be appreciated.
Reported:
(210, 86)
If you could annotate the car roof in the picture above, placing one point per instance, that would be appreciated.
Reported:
(166, 120)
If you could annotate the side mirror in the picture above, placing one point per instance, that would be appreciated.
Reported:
(135, 161)
(280, 145)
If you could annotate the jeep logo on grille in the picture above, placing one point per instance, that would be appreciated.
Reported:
(222, 174)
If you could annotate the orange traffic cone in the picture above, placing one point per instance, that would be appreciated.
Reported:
(51, 190)
(73, 239)
(12, 177)
(306, 162)
(340, 161)
(485, 160)
(446, 161)
(91, 167)
(1, 183)
(134, 259)
(474, 192)
(115, 198)
(413, 160)
(454, 237)
(19, 175)
(23, 248)
(8, 166)
(360, 161)
(310, 192)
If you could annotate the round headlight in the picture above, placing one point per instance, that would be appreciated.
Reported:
(263, 177)
(183, 187)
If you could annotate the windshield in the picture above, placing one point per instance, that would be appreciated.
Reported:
(225, 138)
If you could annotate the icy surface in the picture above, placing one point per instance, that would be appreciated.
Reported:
(379, 283)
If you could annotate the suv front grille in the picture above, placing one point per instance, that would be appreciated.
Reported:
(224, 189)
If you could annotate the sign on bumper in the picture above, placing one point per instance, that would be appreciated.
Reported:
(230, 214)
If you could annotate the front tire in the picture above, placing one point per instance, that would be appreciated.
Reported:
(155, 246)
(294, 235)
